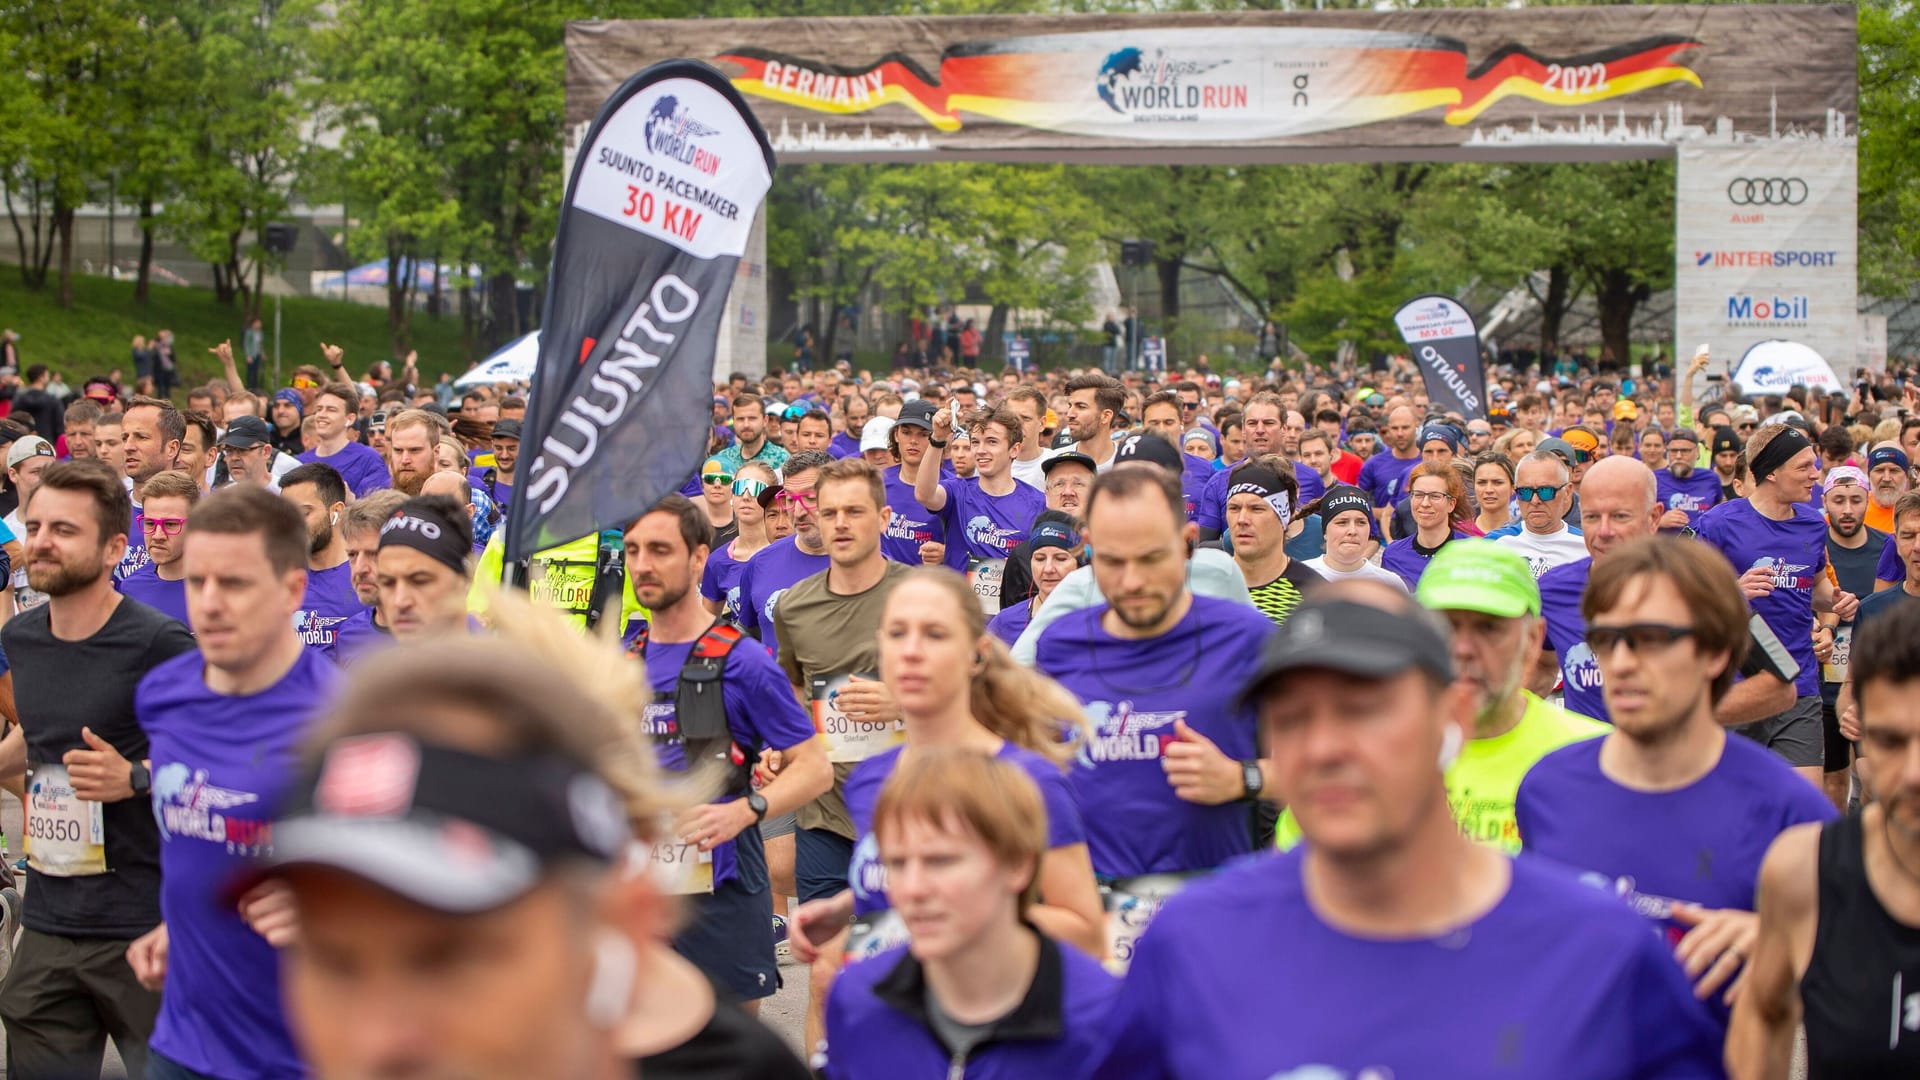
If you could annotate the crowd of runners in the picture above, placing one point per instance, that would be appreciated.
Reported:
(1277, 726)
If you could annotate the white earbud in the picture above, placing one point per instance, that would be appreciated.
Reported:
(333, 518)
(611, 988)
(1450, 747)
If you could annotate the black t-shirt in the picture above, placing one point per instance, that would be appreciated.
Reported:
(733, 1046)
(1853, 567)
(60, 687)
(45, 412)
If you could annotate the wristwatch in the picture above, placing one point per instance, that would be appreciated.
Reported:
(758, 804)
(1251, 777)
(139, 778)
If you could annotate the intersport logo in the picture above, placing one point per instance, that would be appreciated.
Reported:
(1756, 260)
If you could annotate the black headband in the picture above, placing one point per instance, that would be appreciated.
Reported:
(1779, 450)
(1255, 479)
(534, 801)
(429, 533)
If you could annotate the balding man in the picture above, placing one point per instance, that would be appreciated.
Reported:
(1384, 476)
(460, 490)
(1620, 501)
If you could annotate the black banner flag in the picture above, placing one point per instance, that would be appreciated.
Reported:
(656, 217)
(1446, 345)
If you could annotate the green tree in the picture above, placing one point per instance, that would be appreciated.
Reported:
(1889, 147)
(56, 141)
(237, 146)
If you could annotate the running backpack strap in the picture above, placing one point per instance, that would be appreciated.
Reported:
(701, 709)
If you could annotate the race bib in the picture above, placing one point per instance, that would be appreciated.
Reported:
(872, 934)
(1835, 669)
(66, 836)
(1131, 903)
(849, 740)
(680, 868)
(986, 576)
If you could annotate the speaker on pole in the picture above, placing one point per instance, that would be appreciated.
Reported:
(279, 237)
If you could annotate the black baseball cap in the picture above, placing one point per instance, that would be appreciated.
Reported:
(1153, 449)
(455, 832)
(1071, 457)
(1352, 639)
(506, 429)
(917, 414)
(245, 433)
(1724, 439)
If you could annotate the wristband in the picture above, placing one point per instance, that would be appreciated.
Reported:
(936, 443)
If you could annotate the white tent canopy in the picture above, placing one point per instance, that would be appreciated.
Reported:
(1773, 367)
(513, 363)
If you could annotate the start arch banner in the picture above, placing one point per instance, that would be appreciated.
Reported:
(1554, 83)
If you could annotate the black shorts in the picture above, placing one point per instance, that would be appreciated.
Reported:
(729, 936)
(1839, 750)
(1794, 735)
(820, 862)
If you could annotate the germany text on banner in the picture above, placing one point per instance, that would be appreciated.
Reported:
(657, 213)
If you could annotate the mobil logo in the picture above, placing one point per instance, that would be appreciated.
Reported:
(1767, 308)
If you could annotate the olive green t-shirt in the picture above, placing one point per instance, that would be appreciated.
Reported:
(824, 638)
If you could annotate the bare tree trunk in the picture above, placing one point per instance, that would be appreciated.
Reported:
(1617, 296)
(996, 336)
(143, 277)
(63, 225)
(503, 309)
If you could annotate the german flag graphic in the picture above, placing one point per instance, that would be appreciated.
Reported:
(1210, 84)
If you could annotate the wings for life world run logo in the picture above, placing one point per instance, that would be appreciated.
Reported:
(1123, 733)
(671, 132)
(1158, 88)
(188, 808)
(982, 531)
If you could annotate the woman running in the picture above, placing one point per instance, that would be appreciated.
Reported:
(753, 489)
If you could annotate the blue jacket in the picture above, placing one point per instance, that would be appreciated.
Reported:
(877, 1023)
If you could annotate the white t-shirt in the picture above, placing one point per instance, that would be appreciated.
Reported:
(1030, 472)
(1074, 448)
(1367, 572)
(1543, 553)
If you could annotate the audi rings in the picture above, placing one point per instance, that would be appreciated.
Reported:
(1772, 192)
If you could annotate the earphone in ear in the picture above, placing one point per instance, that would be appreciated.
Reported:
(609, 990)
(1450, 747)
(333, 518)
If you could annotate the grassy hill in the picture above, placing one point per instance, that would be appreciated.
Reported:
(95, 336)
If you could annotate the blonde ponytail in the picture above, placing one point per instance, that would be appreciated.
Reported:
(1013, 702)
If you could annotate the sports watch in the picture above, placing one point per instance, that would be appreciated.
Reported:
(1250, 775)
(758, 804)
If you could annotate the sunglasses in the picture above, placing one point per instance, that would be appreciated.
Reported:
(101, 399)
(716, 478)
(746, 485)
(169, 526)
(1745, 426)
(1543, 492)
(301, 382)
(1639, 637)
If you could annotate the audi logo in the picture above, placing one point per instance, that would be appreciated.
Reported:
(1773, 192)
